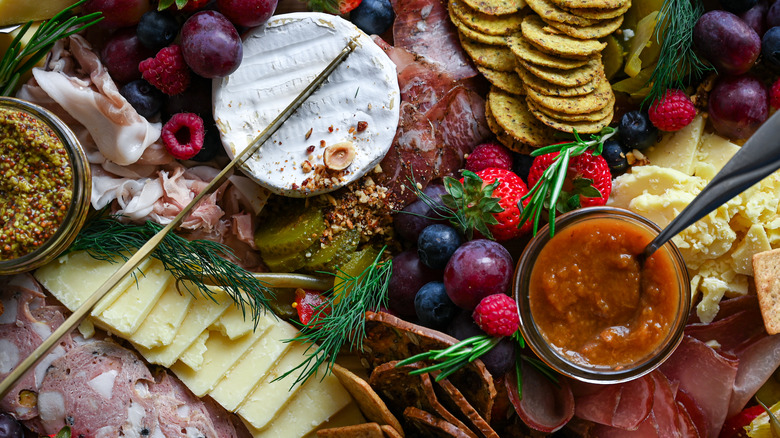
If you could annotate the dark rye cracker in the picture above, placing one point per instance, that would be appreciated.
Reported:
(493, 57)
(428, 425)
(588, 103)
(523, 50)
(484, 23)
(505, 139)
(465, 31)
(583, 127)
(563, 45)
(390, 338)
(390, 432)
(602, 13)
(371, 405)
(449, 395)
(402, 389)
(585, 117)
(566, 78)
(590, 4)
(548, 89)
(766, 271)
(598, 30)
(508, 81)
(511, 113)
(365, 430)
(550, 11)
(496, 7)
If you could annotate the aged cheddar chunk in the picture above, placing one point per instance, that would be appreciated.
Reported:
(678, 150)
(22, 11)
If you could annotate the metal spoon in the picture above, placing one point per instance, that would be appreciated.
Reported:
(758, 157)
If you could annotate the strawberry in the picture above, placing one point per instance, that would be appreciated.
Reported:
(587, 178)
(509, 192)
(333, 6)
(310, 305)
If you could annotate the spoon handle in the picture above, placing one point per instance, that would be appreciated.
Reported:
(757, 159)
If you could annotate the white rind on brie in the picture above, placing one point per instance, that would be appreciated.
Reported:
(280, 60)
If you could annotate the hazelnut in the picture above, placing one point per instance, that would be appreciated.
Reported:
(339, 156)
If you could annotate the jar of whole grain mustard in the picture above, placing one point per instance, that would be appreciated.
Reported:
(45, 186)
(590, 307)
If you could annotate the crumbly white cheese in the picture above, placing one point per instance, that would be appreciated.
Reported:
(280, 60)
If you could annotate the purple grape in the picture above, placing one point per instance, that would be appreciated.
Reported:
(10, 427)
(409, 275)
(418, 215)
(773, 15)
(727, 42)
(211, 45)
(477, 269)
(738, 105)
(755, 17)
(122, 54)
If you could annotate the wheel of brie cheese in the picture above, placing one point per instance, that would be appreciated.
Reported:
(340, 133)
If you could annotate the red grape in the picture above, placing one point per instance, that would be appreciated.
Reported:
(755, 17)
(247, 13)
(409, 275)
(738, 105)
(727, 42)
(118, 13)
(122, 54)
(211, 45)
(477, 269)
(418, 215)
(773, 15)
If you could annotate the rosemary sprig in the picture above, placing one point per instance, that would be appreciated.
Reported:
(340, 319)
(546, 192)
(194, 264)
(677, 60)
(20, 58)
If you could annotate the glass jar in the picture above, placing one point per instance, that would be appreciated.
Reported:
(29, 126)
(590, 308)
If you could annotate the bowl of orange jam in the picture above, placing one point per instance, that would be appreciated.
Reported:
(590, 307)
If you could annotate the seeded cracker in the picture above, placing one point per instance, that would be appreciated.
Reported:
(588, 103)
(455, 402)
(483, 23)
(524, 50)
(507, 81)
(766, 269)
(548, 89)
(563, 45)
(492, 57)
(371, 405)
(390, 432)
(550, 11)
(495, 40)
(596, 31)
(496, 7)
(365, 430)
(586, 117)
(584, 127)
(590, 4)
(566, 78)
(511, 114)
(602, 14)
(505, 139)
(429, 425)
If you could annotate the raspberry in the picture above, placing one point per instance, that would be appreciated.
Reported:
(774, 95)
(673, 111)
(497, 315)
(489, 155)
(183, 135)
(167, 71)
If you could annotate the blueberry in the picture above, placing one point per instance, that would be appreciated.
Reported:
(522, 166)
(373, 16)
(636, 131)
(144, 98)
(157, 29)
(615, 156)
(738, 6)
(212, 144)
(770, 47)
(10, 427)
(433, 307)
(436, 244)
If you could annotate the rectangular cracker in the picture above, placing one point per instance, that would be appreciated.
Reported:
(766, 267)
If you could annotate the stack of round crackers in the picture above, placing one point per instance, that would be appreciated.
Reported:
(544, 62)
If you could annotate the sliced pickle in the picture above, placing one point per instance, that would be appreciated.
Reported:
(354, 267)
(640, 41)
(285, 262)
(286, 234)
(612, 56)
(334, 254)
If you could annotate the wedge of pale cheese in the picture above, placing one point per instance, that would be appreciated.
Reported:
(677, 150)
(22, 11)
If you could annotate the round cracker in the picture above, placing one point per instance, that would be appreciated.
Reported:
(493, 57)
(494, 40)
(508, 81)
(586, 117)
(583, 127)
(563, 45)
(512, 115)
(550, 11)
(484, 23)
(598, 99)
(371, 405)
(496, 7)
(549, 89)
(526, 51)
(505, 139)
(590, 4)
(599, 30)
(602, 14)
(566, 78)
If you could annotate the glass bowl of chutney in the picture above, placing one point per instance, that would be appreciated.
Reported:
(45, 186)
(590, 307)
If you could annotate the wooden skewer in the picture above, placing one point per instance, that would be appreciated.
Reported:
(78, 316)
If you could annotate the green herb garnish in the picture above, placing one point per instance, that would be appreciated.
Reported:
(165, 4)
(63, 433)
(677, 61)
(547, 191)
(194, 264)
(20, 58)
(340, 320)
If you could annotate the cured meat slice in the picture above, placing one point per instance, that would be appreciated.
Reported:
(545, 406)
(423, 27)
(757, 362)
(623, 405)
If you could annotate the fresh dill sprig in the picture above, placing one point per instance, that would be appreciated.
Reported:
(19, 58)
(194, 264)
(340, 320)
(677, 62)
(547, 191)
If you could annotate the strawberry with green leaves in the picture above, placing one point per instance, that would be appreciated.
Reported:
(588, 180)
(509, 191)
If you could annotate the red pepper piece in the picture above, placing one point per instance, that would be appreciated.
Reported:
(309, 305)
(734, 427)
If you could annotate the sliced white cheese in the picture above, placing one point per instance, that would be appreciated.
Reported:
(160, 326)
(280, 60)
(348, 416)
(234, 323)
(126, 313)
(677, 150)
(193, 355)
(238, 382)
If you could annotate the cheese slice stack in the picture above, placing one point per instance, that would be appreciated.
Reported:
(208, 345)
